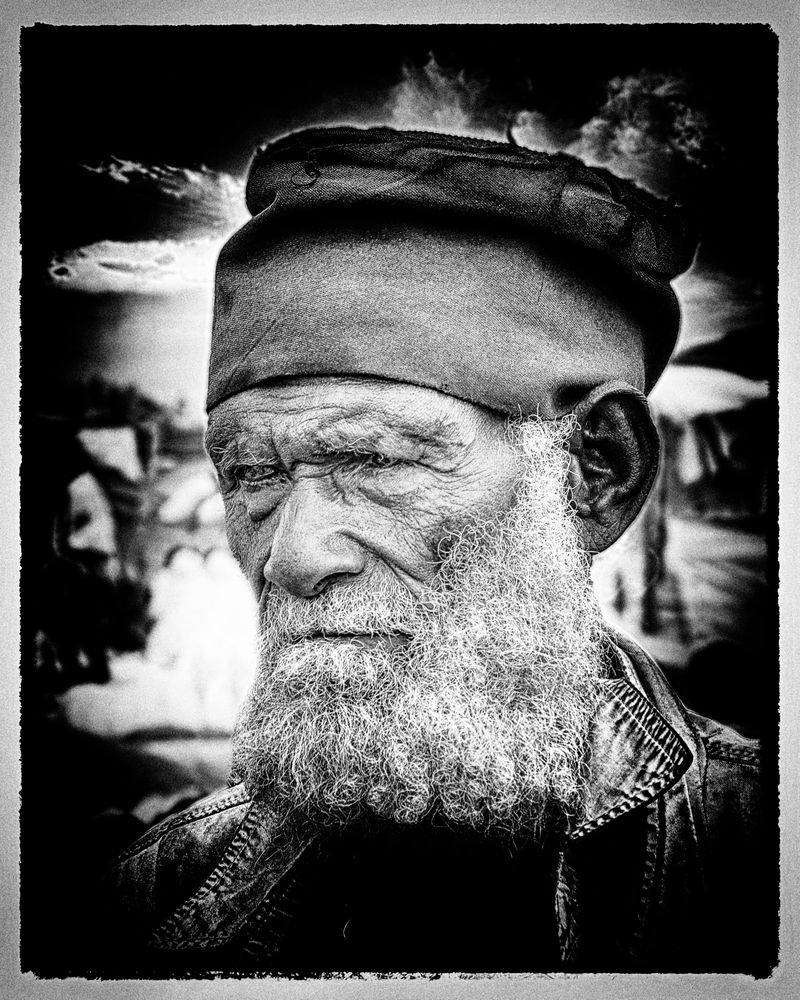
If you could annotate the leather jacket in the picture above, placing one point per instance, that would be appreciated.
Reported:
(672, 869)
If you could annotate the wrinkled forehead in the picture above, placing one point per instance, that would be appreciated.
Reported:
(336, 408)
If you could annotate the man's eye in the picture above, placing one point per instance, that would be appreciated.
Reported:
(375, 460)
(257, 475)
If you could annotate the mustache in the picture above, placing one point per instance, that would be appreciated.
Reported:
(293, 623)
(375, 609)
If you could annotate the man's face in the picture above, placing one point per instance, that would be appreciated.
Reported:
(429, 638)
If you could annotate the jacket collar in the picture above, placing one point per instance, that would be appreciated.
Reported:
(259, 856)
(634, 756)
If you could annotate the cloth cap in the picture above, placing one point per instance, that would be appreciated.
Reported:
(513, 279)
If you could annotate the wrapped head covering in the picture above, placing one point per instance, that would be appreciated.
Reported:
(512, 279)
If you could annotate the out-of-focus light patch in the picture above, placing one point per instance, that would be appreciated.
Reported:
(688, 391)
(713, 303)
(157, 343)
(199, 660)
(113, 448)
(211, 510)
(189, 498)
(650, 132)
(206, 626)
(150, 267)
(91, 519)
(433, 99)
(534, 130)
(191, 201)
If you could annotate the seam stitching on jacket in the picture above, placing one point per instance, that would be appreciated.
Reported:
(213, 879)
(228, 801)
(638, 797)
(735, 755)
(664, 739)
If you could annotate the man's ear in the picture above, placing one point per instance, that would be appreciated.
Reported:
(613, 461)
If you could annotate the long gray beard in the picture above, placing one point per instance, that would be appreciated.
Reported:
(481, 716)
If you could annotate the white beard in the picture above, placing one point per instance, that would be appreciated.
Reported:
(481, 716)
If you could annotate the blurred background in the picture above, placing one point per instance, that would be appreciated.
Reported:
(138, 633)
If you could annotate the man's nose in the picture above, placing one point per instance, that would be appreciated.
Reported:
(309, 553)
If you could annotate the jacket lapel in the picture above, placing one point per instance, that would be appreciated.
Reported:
(258, 857)
(634, 755)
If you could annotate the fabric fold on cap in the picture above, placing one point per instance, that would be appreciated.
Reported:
(510, 278)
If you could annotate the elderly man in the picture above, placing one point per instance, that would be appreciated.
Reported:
(426, 409)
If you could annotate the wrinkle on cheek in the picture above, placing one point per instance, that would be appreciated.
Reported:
(400, 501)
(457, 502)
(488, 491)
(415, 508)
(353, 486)
(414, 530)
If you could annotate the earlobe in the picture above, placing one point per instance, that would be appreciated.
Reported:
(614, 458)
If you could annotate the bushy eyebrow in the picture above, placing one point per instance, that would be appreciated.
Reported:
(231, 441)
(242, 449)
(220, 437)
(366, 431)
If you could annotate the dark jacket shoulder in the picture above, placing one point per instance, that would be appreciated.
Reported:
(736, 812)
(741, 855)
(736, 819)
